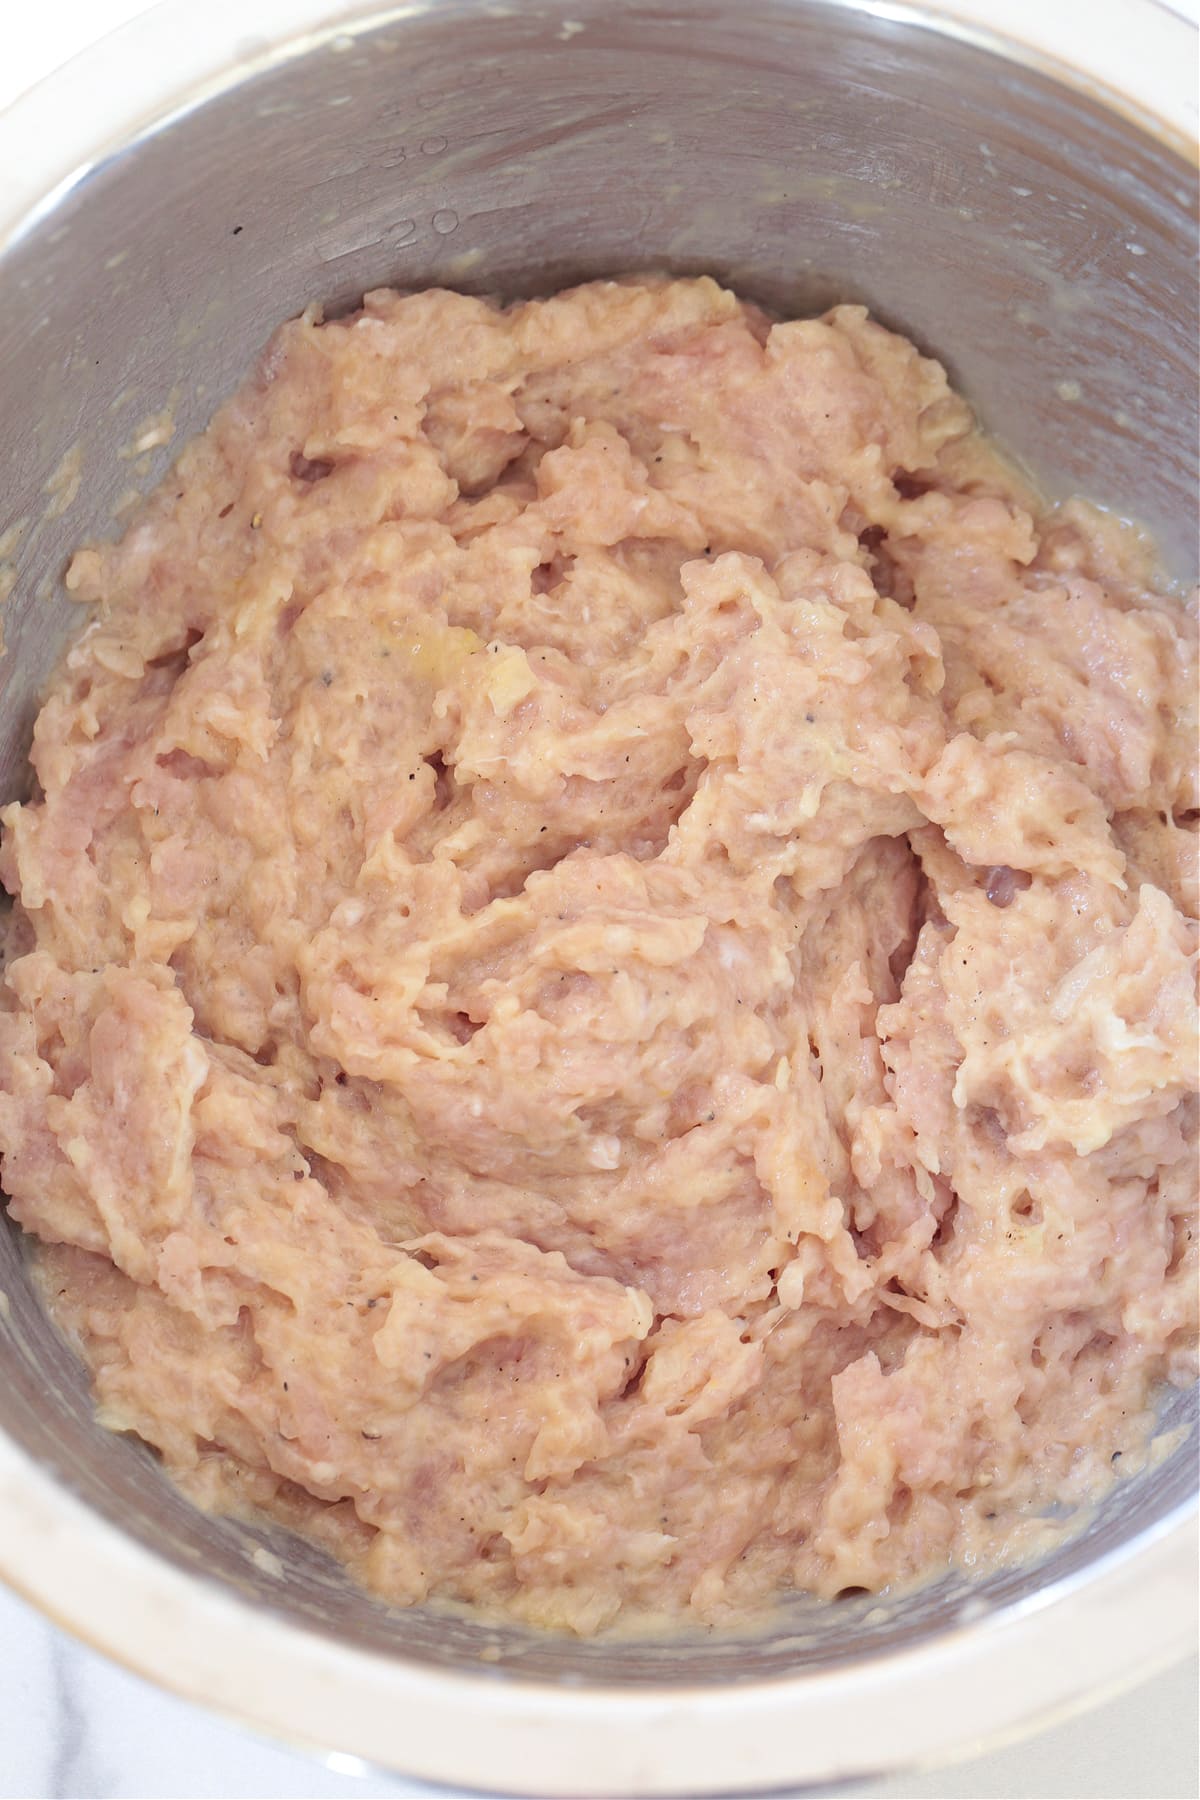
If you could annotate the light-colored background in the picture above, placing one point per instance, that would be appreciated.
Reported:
(73, 1725)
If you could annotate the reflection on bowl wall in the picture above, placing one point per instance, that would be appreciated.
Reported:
(1038, 241)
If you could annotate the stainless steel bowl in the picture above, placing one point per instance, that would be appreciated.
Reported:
(167, 201)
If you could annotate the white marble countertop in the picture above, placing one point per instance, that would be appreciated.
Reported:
(73, 1725)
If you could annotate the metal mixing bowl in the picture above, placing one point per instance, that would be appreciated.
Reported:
(165, 202)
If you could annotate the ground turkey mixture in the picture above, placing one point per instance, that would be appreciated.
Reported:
(600, 1006)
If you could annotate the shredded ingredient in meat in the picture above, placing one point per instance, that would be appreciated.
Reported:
(600, 1011)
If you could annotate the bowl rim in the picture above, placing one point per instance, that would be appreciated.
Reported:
(1061, 1649)
(1064, 1648)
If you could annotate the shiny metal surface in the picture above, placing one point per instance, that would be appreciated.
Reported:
(1040, 243)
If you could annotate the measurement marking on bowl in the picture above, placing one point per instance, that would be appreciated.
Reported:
(396, 237)
(445, 221)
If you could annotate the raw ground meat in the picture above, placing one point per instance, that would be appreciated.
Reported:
(600, 1009)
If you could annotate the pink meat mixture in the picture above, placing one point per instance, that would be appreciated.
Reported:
(600, 1009)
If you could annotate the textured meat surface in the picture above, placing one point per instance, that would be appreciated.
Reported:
(600, 1008)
